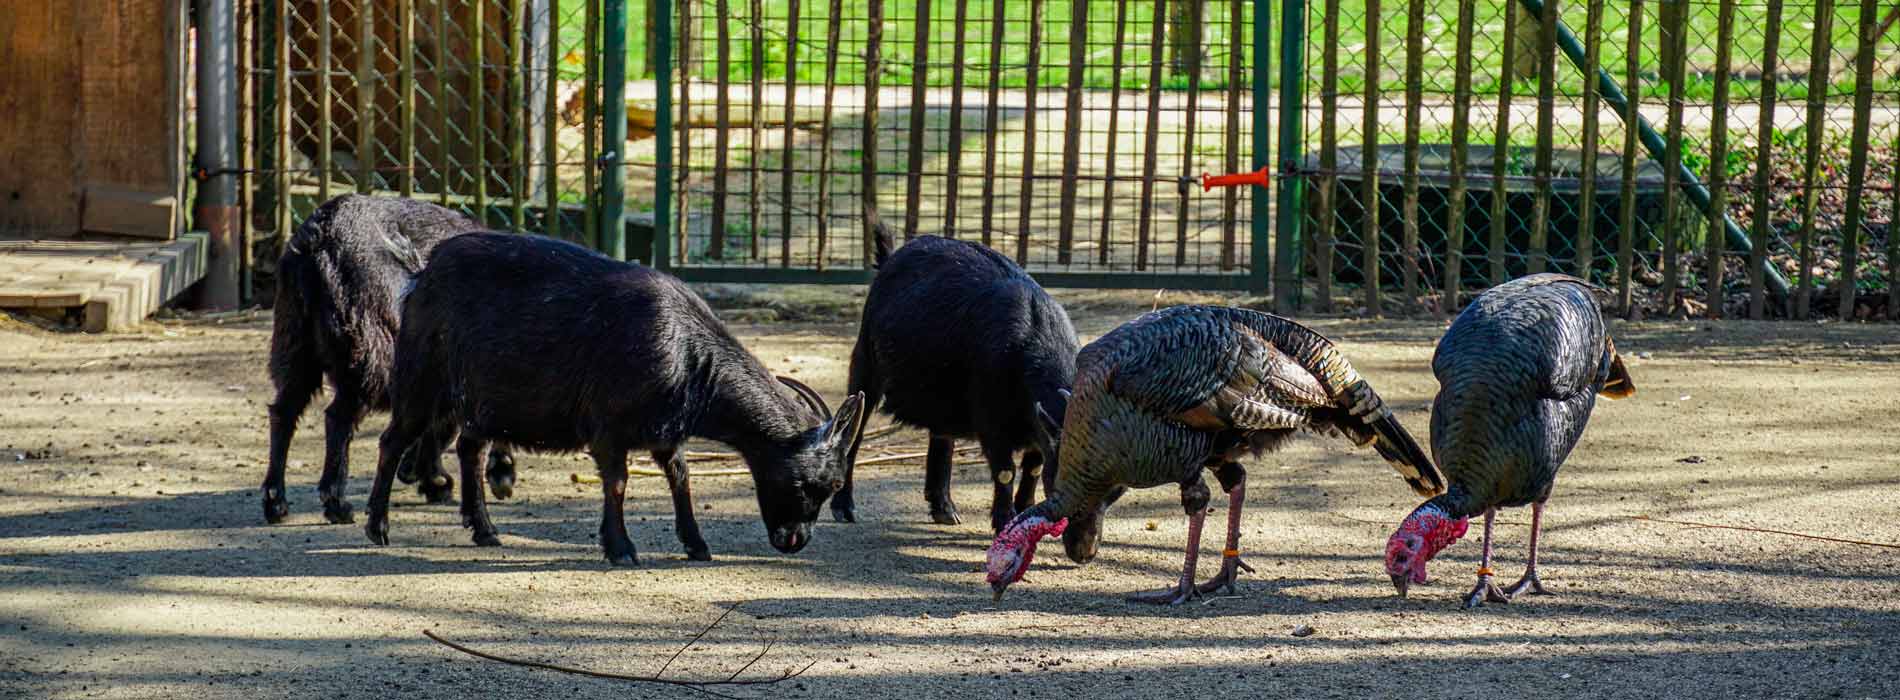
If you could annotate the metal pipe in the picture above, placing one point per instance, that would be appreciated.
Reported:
(216, 209)
(613, 180)
(1286, 283)
(1653, 142)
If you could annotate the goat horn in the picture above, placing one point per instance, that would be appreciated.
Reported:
(811, 398)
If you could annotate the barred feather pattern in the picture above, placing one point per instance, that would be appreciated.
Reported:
(1519, 372)
(1189, 387)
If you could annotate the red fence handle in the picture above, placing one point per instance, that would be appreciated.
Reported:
(1259, 177)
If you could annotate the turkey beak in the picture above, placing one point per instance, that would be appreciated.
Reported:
(1401, 582)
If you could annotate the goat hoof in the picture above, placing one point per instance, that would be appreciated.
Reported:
(488, 538)
(700, 554)
(503, 486)
(844, 515)
(945, 516)
(624, 559)
(436, 495)
(275, 507)
(338, 513)
(378, 531)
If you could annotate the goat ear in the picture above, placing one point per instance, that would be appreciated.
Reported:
(810, 398)
(843, 428)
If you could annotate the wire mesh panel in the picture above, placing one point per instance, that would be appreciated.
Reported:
(485, 106)
(1067, 135)
(1695, 156)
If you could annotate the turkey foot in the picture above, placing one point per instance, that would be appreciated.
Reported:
(1529, 582)
(1485, 592)
(1181, 592)
(1230, 568)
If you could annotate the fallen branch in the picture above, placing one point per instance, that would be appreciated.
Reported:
(703, 687)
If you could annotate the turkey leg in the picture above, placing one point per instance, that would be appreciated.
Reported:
(1194, 499)
(1234, 479)
(1486, 591)
(1530, 569)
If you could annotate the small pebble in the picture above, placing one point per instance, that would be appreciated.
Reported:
(1303, 631)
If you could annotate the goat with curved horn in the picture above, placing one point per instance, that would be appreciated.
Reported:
(806, 394)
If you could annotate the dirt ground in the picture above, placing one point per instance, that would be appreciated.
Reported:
(134, 561)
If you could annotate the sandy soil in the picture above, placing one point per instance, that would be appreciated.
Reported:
(134, 562)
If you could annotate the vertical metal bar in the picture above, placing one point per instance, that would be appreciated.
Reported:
(919, 102)
(661, 21)
(873, 69)
(786, 162)
(406, 142)
(1718, 155)
(1626, 199)
(1823, 49)
(326, 120)
(1587, 189)
(1857, 161)
(590, 125)
(1072, 127)
(1455, 203)
(1414, 96)
(551, 121)
(1195, 11)
(1764, 160)
(366, 78)
(832, 49)
(1114, 135)
(246, 116)
(517, 35)
(1281, 254)
(1369, 162)
(1501, 151)
(1678, 40)
(722, 126)
(1230, 197)
(1546, 118)
(757, 65)
(1323, 245)
(444, 185)
(1152, 137)
(282, 134)
(478, 104)
(992, 125)
(1026, 194)
(216, 206)
(955, 144)
(613, 78)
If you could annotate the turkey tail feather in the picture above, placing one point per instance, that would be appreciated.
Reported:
(1399, 449)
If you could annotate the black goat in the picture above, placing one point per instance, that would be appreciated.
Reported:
(549, 346)
(958, 340)
(337, 307)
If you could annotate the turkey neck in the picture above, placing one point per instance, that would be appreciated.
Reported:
(1458, 501)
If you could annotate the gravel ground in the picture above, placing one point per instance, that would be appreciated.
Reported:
(134, 562)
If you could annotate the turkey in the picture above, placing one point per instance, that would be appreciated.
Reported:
(1518, 373)
(1189, 388)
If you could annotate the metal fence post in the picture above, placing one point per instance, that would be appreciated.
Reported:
(1286, 281)
(662, 19)
(216, 210)
(613, 114)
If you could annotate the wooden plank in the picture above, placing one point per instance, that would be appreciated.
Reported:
(1632, 154)
(722, 127)
(1764, 164)
(1857, 160)
(919, 87)
(1810, 182)
(1027, 192)
(123, 211)
(1369, 162)
(1151, 136)
(1195, 11)
(790, 151)
(992, 123)
(873, 69)
(1328, 158)
(1718, 157)
(1114, 136)
(954, 157)
(1414, 97)
(122, 54)
(1072, 128)
(1460, 160)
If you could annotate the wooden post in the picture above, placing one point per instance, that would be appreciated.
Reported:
(1460, 159)
(832, 48)
(590, 122)
(1145, 225)
(365, 78)
(326, 124)
(955, 144)
(478, 108)
(1764, 161)
(1501, 151)
(1626, 202)
(443, 92)
(1857, 160)
(406, 142)
(992, 123)
(1586, 236)
(722, 128)
(1546, 109)
(1718, 155)
(1369, 163)
(517, 36)
(1195, 12)
(757, 144)
(873, 66)
(1072, 128)
(1230, 196)
(786, 162)
(1678, 39)
(919, 104)
(1114, 135)
(1414, 96)
(1817, 114)
(1328, 157)
(684, 164)
(1027, 192)
(282, 8)
(551, 126)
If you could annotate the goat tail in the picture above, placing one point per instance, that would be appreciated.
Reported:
(885, 242)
